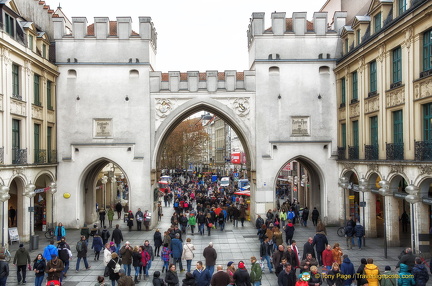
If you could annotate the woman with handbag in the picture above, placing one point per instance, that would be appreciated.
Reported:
(39, 269)
(130, 220)
(188, 254)
(209, 223)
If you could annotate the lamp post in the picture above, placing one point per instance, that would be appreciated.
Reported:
(364, 188)
(104, 182)
(304, 181)
(384, 191)
(4, 196)
(343, 183)
(29, 193)
(412, 198)
(53, 190)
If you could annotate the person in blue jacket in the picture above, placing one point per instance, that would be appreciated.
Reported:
(177, 250)
(49, 250)
(405, 277)
(97, 245)
(59, 231)
(202, 275)
(347, 268)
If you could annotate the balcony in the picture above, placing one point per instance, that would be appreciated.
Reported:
(371, 152)
(52, 156)
(19, 156)
(341, 153)
(423, 150)
(2, 155)
(40, 156)
(353, 152)
(394, 151)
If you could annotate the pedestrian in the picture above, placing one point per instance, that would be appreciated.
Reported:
(306, 263)
(407, 259)
(202, 275)
(242, 215)
(337, 253)
(359, 232)
(126, 255)
(50, 249)
(159, 211)
(60, 231)
(277, 238)
(82, 248)
(388, 278)
(21, 261)
(315, 216)
(39, 266)
(107, 254)
(94, 230)
(405, 221)
(110, 216)
(149, 250)
(177, 250)
(308, 248)
(124, 280)
(158, 242)
(315, 277)
(100, 281)
(64, 254)
(292, 257)
(118, 208)
(220, 278)
(372, 273)
(171, 277)
(192, 222)
(130, 220)
(421, 275)
(201, 219)
(327, 257)
(287, 277)
(146, 219)
(320, 242)
(157, 281)
(347, 269)
(102, 215)
(265, 253)
(165, 256)
(349, 234)
(139, 218)
(97, 246)
(289, 232)
(12, 215)
(188, 254)
(256, 272)
(230, 271)
(117, 237)
(189, 280)
(54, 268)
(360, 274)
(209, 223)
(114, 267)
(334, 277)
(241, 276)
(105, 235)
(259, 222)
(305, 216)
(136, 262)
(145, 258)
(210, 256)
(405, 277)
(84, 231)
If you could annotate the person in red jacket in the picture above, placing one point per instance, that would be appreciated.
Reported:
(327, 257)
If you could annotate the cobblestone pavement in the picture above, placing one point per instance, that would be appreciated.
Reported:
(233, 244)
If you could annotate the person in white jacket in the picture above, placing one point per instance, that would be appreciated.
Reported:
(188, 254)
(107, 254)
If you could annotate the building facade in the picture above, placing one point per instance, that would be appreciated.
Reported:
(384, 96)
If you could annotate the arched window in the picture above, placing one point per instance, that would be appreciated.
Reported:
(133, 73)
(72, 73)
(324, 70)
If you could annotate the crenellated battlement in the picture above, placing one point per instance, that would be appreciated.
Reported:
(194, 81)
(297, 25)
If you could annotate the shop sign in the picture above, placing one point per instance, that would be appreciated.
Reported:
(400, 195)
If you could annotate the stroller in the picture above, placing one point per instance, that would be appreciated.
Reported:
(53, 283)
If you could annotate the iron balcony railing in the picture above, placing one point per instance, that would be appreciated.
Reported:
(423, 150)
(52, 156)
(353, 152)
(40, 156)
(19, 156)
(341, 153)
(394, 151)
(2, 155)
(371, 152)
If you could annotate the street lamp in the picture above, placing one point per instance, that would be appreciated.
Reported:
(344, 184)
(52, 190)
(104, 182)
(364, 188)
(304, 181)
(384, 191)
(29, 193)
(4, 196)
(412, 198)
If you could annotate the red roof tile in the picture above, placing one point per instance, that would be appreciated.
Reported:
(289, 25)
(112, 29)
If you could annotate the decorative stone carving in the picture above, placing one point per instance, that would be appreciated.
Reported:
(381, 53)
(300, 126)
(241, 106)
(397, 168)
(5, 54)
(423, 89)
(102, 128)
(425, 169)
(371, 104)
(51, 116)
(354, 109)
(395, 97)
(342, 113)
(163, 107)
(361, 64)
(348, 166)
(28, 68)
(18, 107)
(37, 112)
(408, 37)
(373, 167)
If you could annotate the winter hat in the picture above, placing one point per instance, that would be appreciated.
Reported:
(241, 265)
(21, 245)
(230, 263)
(387, 268)
(363, 261)
(156, 274)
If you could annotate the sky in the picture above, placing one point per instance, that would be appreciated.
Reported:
(193, 35)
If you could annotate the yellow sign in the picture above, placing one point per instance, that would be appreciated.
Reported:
(66, 195)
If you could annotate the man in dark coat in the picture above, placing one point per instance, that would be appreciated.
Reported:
(305, 216)
(118, 208)
(320, 242)
(287, 277)
(241, 276)
(82, 253)
(126, 254)
(220, 278)
(105, 235)
(308, 248)
(177, 250)
(315, 216)
(408, 259)
(117, 237)
(202, 276)
(54, 268)
(210, 256)
(259, 222)
(21, 260)
(289, 232)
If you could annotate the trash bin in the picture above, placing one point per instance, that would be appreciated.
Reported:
(34, 241)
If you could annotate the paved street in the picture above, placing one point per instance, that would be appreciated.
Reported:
(233, 244)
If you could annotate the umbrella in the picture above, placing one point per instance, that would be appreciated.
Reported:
(243, 193)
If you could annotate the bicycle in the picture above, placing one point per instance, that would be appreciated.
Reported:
(49, 233)
(424, 260)
(341, 231)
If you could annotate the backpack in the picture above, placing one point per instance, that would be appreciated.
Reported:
(79, 246)
(116, 268)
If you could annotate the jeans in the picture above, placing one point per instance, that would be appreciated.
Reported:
(319, 257)
(113, 282)
(201, 228)
(137, 270)
(38, 280)
(192, 228)
(21, 268)
(117, 248)
(139, 225)
(149, 264)
(166, 265)
(179, 261)
(66, 267)
(269, 265)
(188, 265)
(3, 281)
(257, 283)
(222, 226)
(208, 230)
(359, 242)
(127, 268)
(79, 260)
(210, 269)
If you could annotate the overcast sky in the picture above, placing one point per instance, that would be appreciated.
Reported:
(193, 35)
